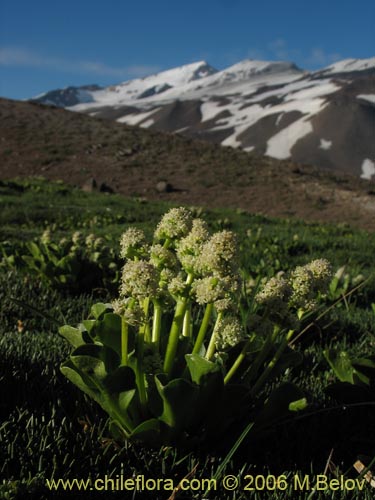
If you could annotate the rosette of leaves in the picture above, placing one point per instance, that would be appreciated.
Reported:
(75, 263)
(175, 359)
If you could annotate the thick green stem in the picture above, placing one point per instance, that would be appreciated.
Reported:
(267, 372)
(156, 323)
(124, 341)
(174, 335)
(237, 362)
(211, 346)
(175, 330)
(186, 327)
(140, 376)
(203, 328)
(167, 243)
(146, 303)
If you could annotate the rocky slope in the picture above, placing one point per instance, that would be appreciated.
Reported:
(57, 144)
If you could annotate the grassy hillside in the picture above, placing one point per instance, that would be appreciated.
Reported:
(50, 429)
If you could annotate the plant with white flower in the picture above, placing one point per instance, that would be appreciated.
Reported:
(162, 357)
(173, 226)
(133, 244)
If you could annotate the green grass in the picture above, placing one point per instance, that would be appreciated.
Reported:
(50, 429)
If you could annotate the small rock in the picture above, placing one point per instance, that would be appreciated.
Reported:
(164, 187)
(90, 185)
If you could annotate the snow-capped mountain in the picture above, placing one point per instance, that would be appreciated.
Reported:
(325, 118)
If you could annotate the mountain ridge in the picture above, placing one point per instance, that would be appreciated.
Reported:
(273, 108)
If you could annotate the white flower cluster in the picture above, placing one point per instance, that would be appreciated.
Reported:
(299, 289)
(130, 310)
(133, 244)
(174, 225)
(46, 237)
(184, 262)
(189, 248)
(139, 280)
(183, 248)
(230, 333)
(215, 289)
(78, 239)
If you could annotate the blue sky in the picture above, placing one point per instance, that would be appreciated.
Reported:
(46, 45)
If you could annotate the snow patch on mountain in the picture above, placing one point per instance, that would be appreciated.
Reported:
(350, 65)
(307, 98)
(324, 144)
(368, 169)
(138, 118)
(280, 145)
(151, 87)
(367, 97)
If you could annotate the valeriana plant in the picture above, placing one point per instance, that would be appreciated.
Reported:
(177, 358)
(78, 263)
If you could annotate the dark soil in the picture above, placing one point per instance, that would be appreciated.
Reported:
(38, 140)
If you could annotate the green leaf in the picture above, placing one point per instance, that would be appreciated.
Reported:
(344, 368)
(73, 335)
(95, 359)
(298, 405)
(97, 310)
(208, 376)
(89, 324)
(122, 379)
(108, 331)
(81, 380)
(179, 402)
(199, 367)
(340, 364)
(125, 399)
(148, 431)
(35, 251)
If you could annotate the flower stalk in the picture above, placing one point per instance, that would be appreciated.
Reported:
(211, 346)
(124, 341)
(271, 365)
(203, 328)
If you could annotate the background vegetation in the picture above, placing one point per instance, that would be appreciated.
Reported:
(49, 429)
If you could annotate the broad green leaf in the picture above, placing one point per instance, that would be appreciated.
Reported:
(122, 379)
(125, 399)
(347, 370)
(73, 335)
(97, 310)
(81, 380)
(179, 402)
(199, 367)
(108, 331)
(148, 431)
(89, 324)
(340, 364)
(93, 358)
(117, 430)
(35, 250)
(30, 261)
